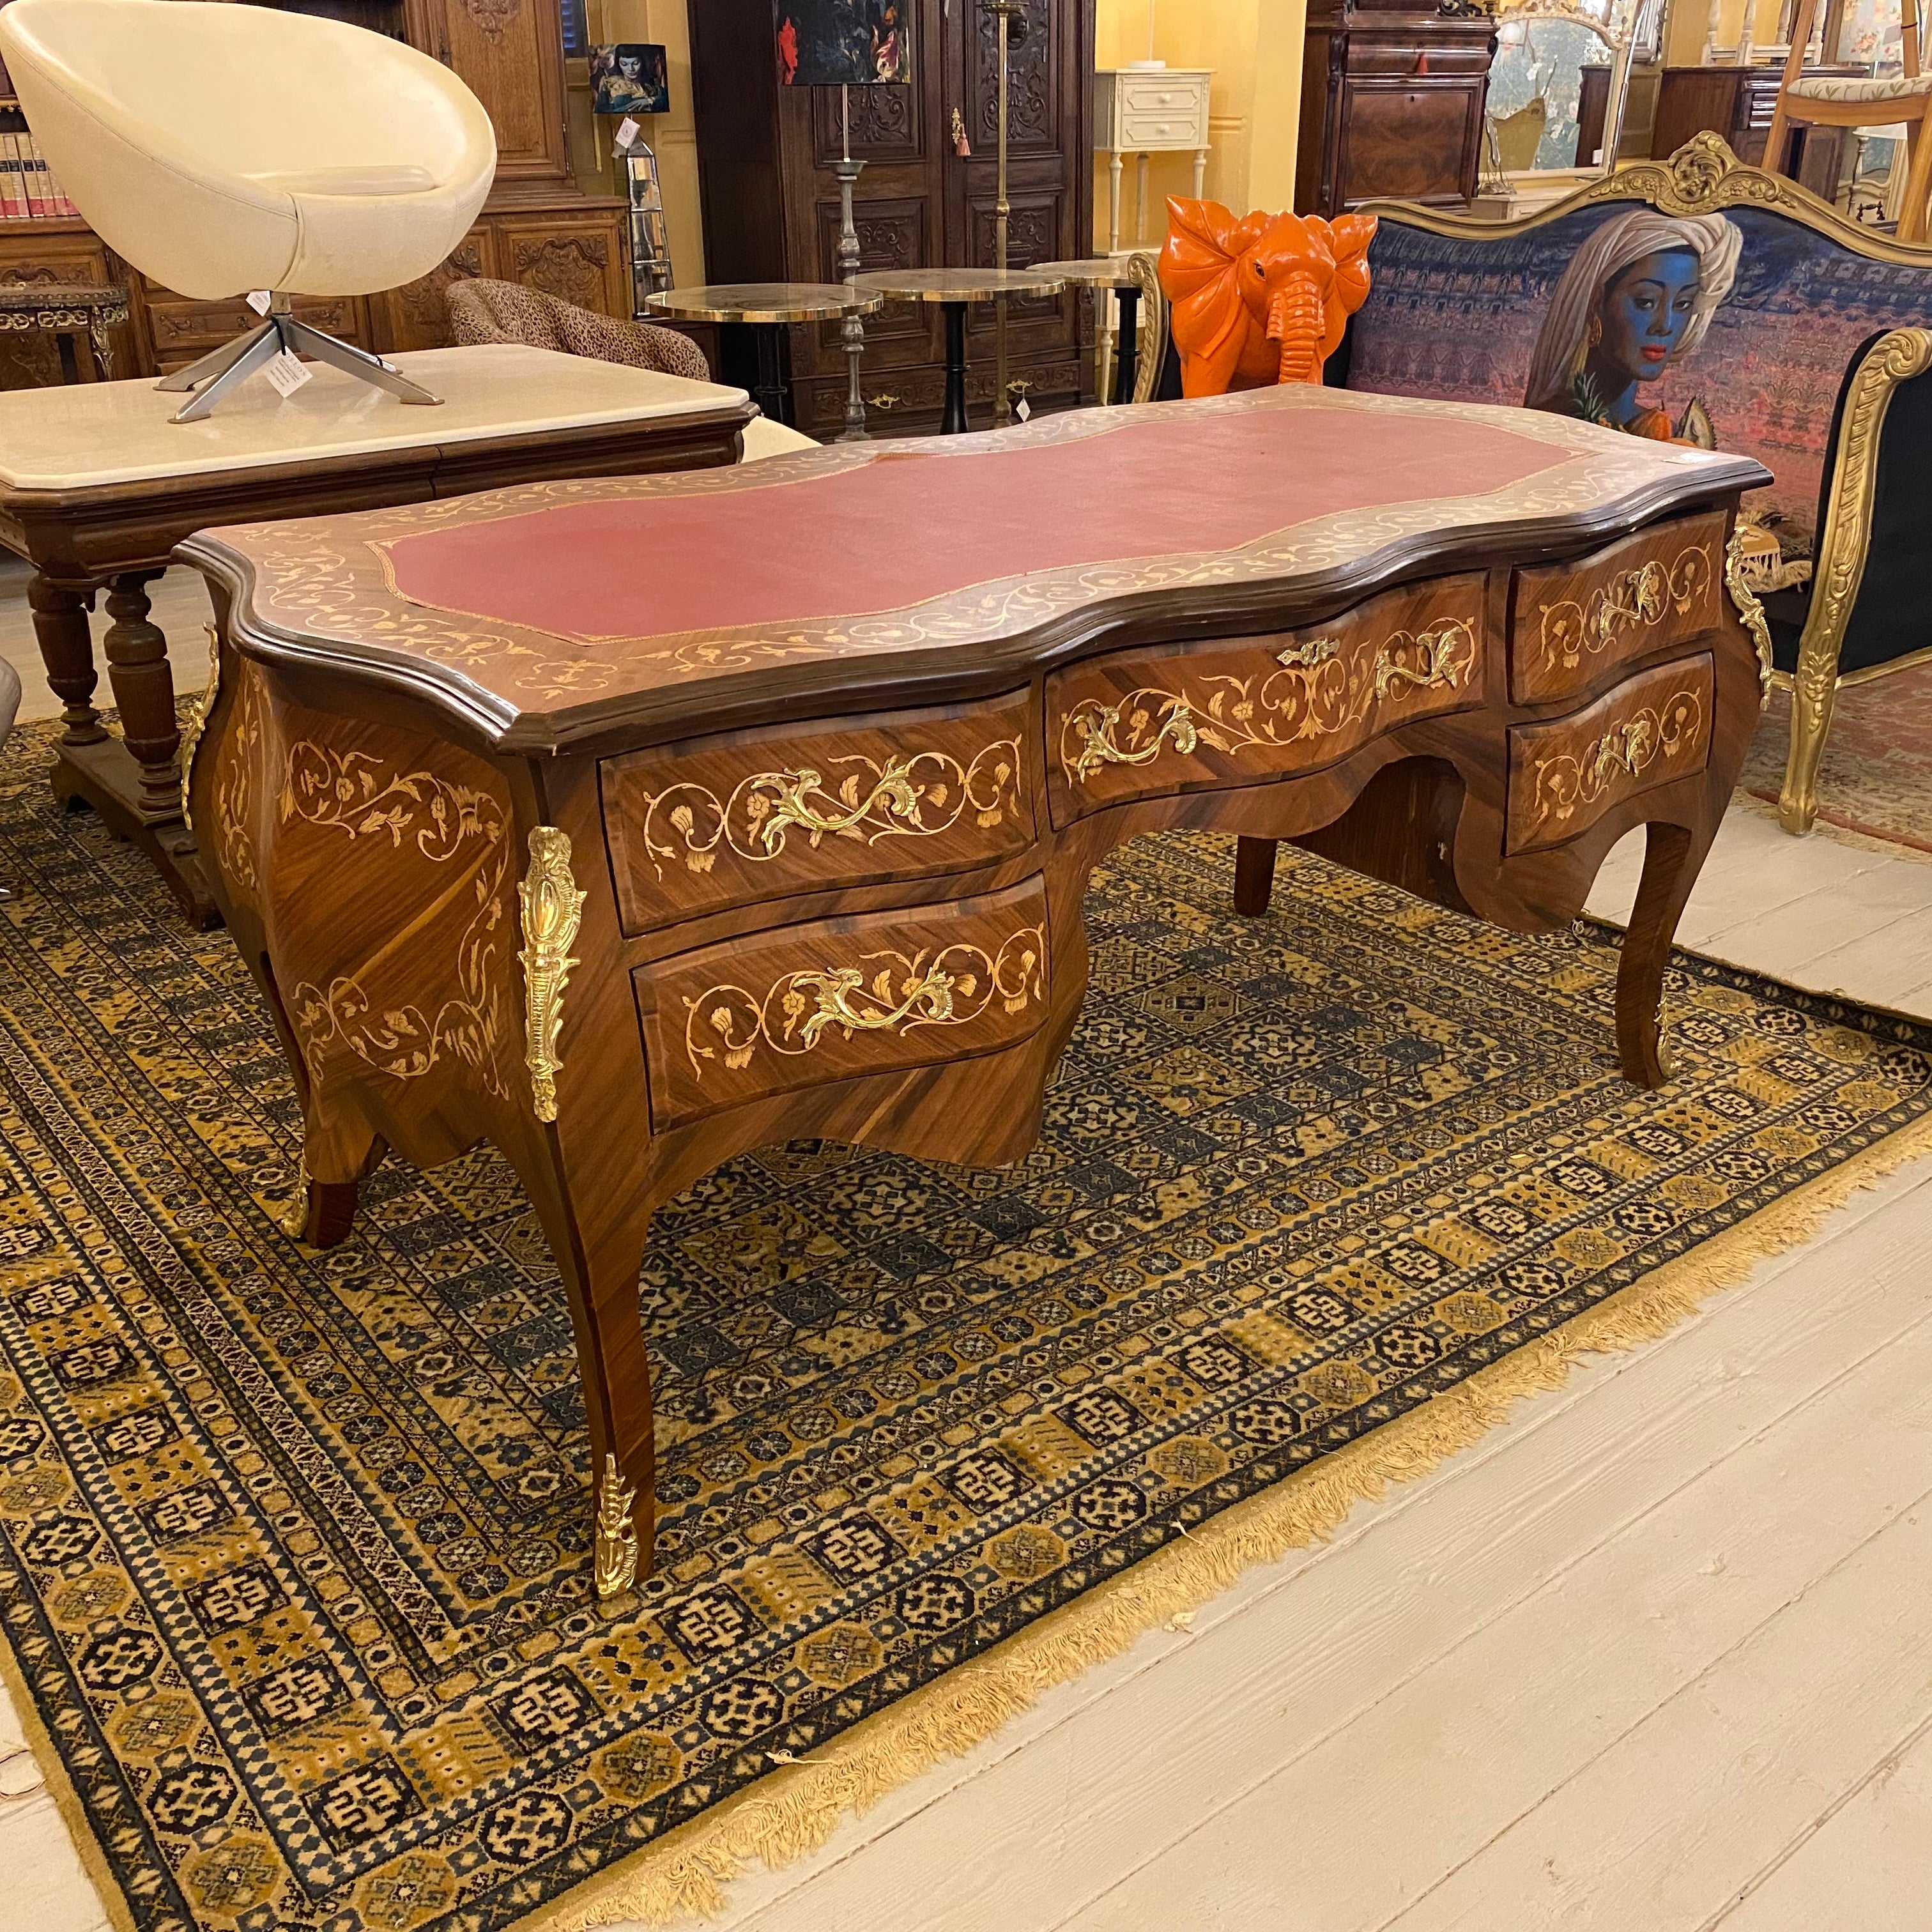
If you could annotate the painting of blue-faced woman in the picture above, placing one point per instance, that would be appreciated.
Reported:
(1636, 298)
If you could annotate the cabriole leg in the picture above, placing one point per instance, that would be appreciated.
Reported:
(1670, 871)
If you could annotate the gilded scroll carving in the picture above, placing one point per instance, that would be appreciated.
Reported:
(616, 1555)
(888, 992)
(364, 798)
(1750, 612)
(915, 797)
(1321, 689)
(1637, 599)
(1568, 781)
(199, 713)
(553, 909)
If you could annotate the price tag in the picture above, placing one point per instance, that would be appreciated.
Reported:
(628, 131)
(1023, 409)
(286, 372)
(259, 300)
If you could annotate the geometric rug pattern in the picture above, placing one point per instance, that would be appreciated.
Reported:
(294, 1547)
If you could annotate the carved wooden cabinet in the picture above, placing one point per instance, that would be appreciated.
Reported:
(771, 201)
(573, 249)
(1392, 93)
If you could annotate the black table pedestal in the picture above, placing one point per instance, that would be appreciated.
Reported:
(953, 422)
(1126, 351)
(765, 342)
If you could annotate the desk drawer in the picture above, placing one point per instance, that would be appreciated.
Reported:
(1148, 723)
(1572, 625)
(1651, 730)
(710, 823)
(808, 1005)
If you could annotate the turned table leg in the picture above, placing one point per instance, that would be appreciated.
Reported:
(1669, 875)
(66, 649)
(1254, 875)
(144, 688)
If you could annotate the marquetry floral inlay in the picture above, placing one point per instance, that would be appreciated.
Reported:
(364, 799)
(1637, 599)
(887, 991)
(1323, 687)
(1672, 731)
(915, 797)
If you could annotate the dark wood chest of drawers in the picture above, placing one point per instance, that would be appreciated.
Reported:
(1391, 102)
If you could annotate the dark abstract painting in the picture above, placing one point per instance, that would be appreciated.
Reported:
(842, 43)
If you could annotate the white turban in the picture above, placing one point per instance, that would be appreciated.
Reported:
(1561, 346)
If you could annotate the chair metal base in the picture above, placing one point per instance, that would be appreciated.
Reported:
(224, 370)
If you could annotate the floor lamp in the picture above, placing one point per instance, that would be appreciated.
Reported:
(845, 43)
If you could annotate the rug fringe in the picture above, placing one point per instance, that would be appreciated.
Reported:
(795, 1810)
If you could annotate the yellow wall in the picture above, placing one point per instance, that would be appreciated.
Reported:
(1255, 48)
(674, 136)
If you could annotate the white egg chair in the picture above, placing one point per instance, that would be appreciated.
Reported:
(224, 148)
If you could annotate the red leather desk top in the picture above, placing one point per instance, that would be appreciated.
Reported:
(540, 610)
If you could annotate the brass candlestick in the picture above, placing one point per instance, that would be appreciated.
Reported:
(1010, 23)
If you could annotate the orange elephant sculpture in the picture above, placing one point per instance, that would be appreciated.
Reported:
(1261, 300)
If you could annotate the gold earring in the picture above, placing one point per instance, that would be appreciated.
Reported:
(1595, 333)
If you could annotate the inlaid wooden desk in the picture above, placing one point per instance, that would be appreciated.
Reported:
(628, 869)
(97, 486)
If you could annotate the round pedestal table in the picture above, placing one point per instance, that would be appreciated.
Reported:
(955, 289)
(764, 310)
(1116, 272)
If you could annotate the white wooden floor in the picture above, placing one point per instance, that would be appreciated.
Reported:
(1655, 1656)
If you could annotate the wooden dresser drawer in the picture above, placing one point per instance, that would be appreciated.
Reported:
(1162, 94)
(709, 823)
(1148, 723)
(808, 1004)
(1651, 730)
(1571, 624)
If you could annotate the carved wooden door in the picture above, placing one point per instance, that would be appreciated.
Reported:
(1049, 178)
(510, 53)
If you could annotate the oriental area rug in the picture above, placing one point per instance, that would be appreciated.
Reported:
(1875, 785)
(294, 1546)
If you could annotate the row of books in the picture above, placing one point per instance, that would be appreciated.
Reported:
(30, 191)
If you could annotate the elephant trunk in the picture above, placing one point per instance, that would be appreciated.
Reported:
(1294, 321)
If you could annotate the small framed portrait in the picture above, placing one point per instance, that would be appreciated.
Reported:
(630, 78)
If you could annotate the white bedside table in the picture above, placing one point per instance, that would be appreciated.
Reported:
(1144, 111)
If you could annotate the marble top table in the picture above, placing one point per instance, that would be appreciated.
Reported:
(955, 289)
(97, 486)
(763, 311)
(65, 313)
